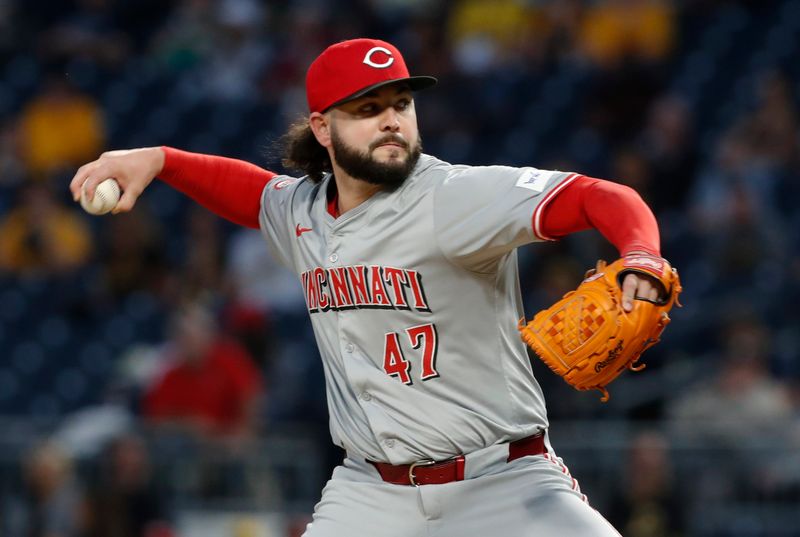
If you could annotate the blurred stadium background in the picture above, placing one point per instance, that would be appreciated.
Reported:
(692, 103)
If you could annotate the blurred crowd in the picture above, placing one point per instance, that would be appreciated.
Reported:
(188, 325)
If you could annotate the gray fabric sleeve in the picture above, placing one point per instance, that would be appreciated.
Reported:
(275, 217)
(482, 213)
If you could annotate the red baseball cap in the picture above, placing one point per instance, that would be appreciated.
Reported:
(350, 69)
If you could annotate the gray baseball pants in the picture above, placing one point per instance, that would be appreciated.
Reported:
(531, 496)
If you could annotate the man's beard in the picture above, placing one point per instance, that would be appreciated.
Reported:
(361, 165)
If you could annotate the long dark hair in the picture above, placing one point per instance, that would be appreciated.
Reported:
(302, 151)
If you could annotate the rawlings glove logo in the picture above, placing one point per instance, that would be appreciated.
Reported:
(612, 355)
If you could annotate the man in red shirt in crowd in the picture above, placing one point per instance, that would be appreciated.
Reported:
(211, 387)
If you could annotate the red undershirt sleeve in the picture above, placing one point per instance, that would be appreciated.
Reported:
(228, 187)
(616, 211)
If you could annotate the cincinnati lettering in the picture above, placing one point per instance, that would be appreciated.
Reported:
(363, 287)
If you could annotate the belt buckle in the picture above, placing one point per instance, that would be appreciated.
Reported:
(413, 465)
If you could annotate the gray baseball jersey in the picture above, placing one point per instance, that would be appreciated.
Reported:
(414, 299)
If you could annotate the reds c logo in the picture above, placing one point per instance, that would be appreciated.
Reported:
(283, 183)
(369, 61)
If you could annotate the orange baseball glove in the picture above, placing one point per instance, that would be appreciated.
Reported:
(588, 339)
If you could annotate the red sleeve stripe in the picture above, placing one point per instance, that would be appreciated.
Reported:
(537, 214)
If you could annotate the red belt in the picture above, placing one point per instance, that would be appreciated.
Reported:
(430, 472)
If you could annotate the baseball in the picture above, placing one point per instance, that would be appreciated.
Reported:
(106, 197)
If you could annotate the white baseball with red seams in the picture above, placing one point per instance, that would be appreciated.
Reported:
(414, 299)
(106, 197)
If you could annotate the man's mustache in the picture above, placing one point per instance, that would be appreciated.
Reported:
(389, 139)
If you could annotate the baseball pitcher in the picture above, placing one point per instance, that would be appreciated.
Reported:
(409, 269)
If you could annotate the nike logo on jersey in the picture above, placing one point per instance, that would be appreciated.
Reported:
(363, 286)
(300, 230)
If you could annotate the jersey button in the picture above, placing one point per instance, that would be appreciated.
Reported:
(366, 396)
(334, 258)
(349, 347)
(389, 443)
